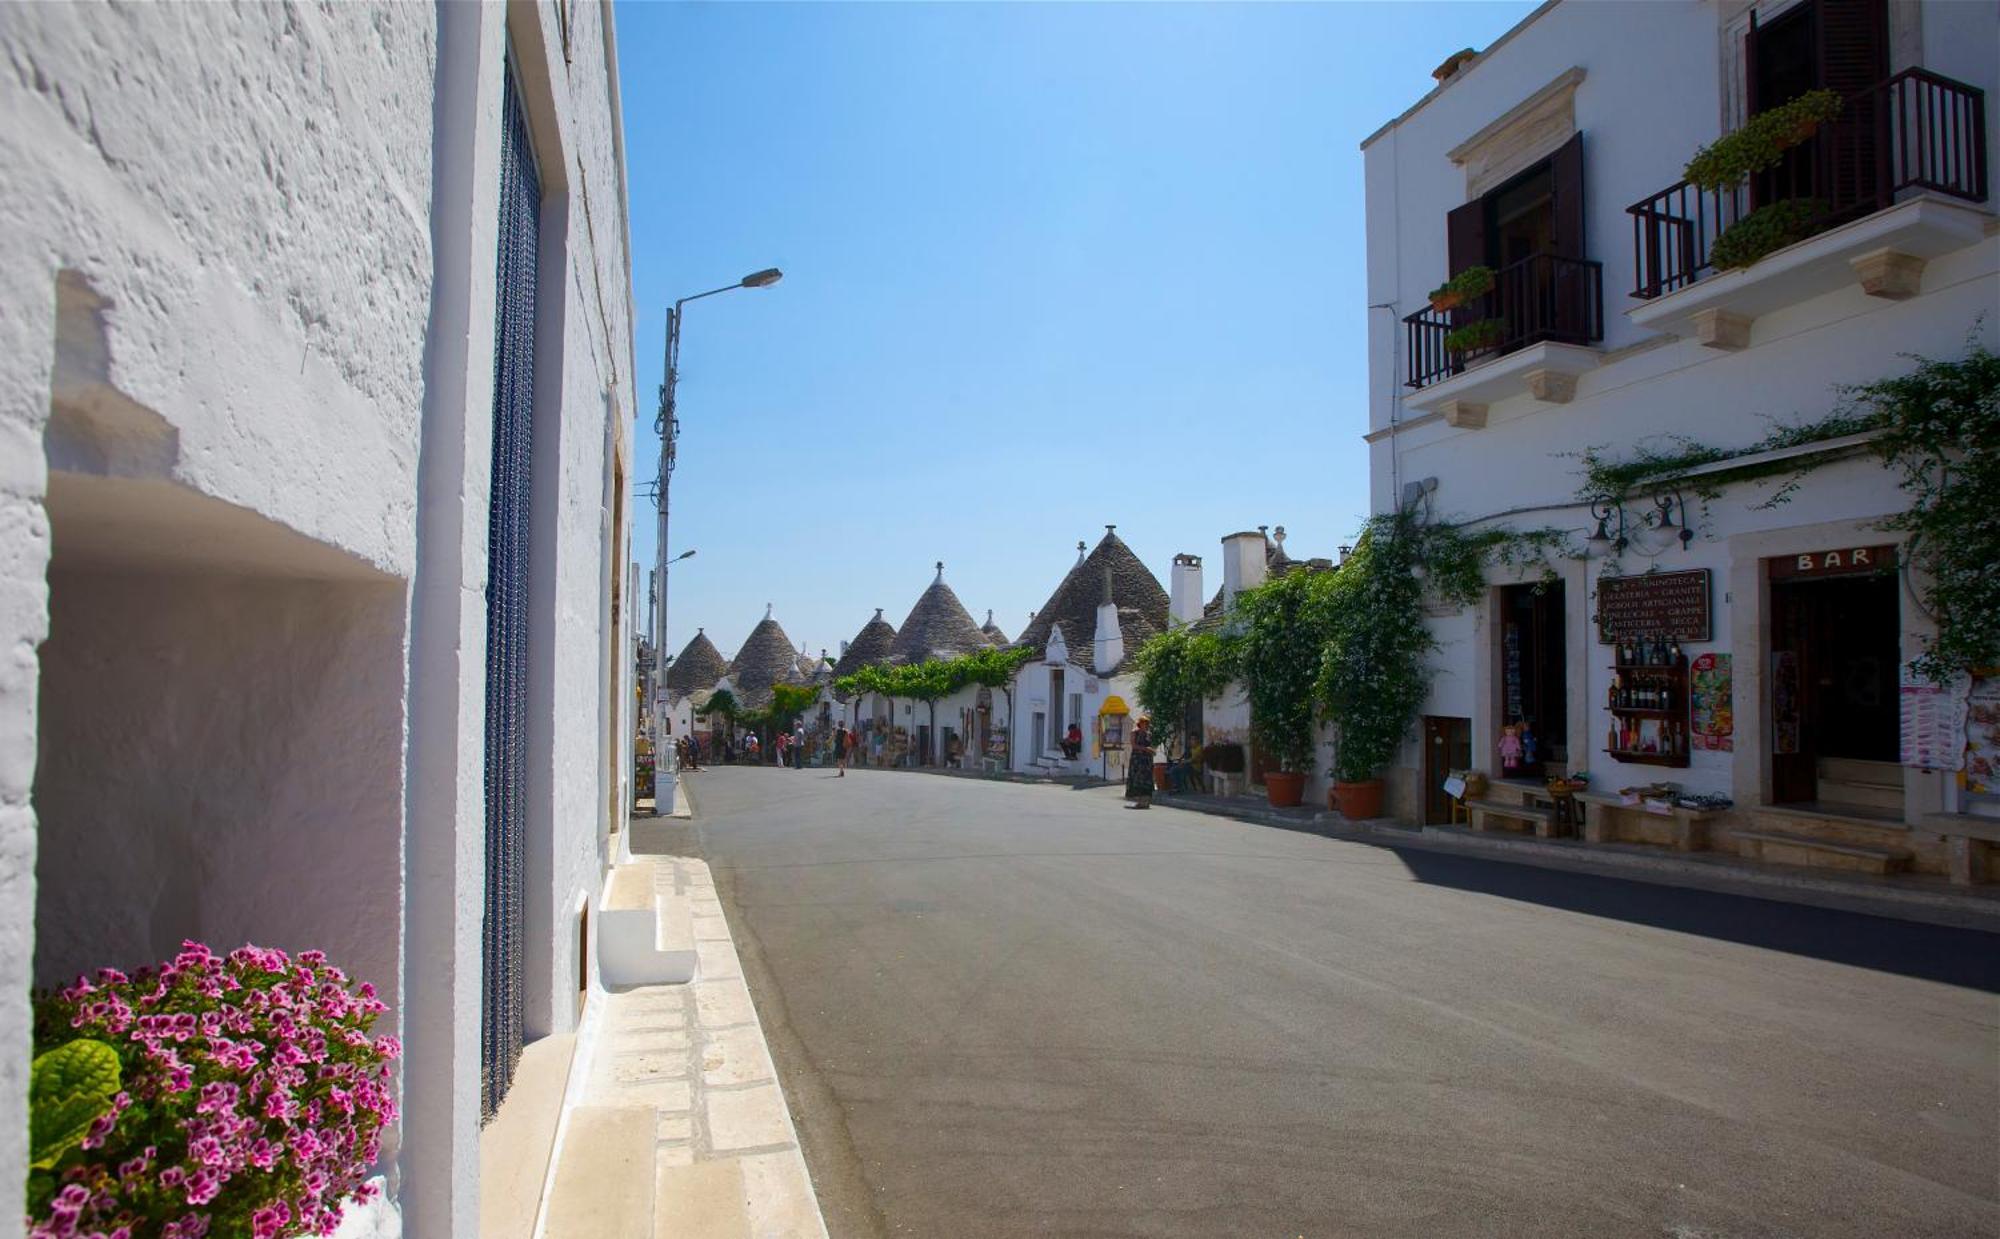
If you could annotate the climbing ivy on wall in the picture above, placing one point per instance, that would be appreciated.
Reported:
(1937, 426)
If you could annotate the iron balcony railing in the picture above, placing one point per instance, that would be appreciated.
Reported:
(1916, 131)
(1544, 297)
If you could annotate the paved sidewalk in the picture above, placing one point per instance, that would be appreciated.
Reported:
(1909, 897)
(726, 1160)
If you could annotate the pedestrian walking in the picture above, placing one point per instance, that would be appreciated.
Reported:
(840, 749)
(783, 743)
(1139, 771)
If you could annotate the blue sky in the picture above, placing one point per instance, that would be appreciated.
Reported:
(1047, 268)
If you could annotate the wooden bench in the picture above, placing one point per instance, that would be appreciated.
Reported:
(1543, 820)
(1969, 843)
(1615, 821)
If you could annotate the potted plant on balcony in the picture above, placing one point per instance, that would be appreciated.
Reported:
(1474, 340)
(1767, 230)
(1285, 626)
(1471, 283)
(1762, 141)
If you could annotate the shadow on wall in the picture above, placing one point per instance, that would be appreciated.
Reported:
(1962, 957)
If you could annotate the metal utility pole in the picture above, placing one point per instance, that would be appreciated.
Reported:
(667, 425)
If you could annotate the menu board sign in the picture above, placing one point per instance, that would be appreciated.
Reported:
(1656, 604)
(1714, 716)
(1981, 756)
(1934, 735)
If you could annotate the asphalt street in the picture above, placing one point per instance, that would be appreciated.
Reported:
(1006, 1009)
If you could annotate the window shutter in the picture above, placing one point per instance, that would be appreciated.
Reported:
(1566, 183)
(1753, 102)
(1465, 236)
(1853, 55)
(1853, 45)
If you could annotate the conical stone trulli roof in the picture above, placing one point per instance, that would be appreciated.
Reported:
(699, 666)
(1142, 603)
(937, 627)
(995, 637)
(766, 658)
(869, 647)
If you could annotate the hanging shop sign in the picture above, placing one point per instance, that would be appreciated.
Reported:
(1713, 725)
(1841, 561)
(1653, 605)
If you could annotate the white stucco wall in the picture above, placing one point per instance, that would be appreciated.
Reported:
(163, 158)
(1647, 385)
(241, 786)
(275, 228)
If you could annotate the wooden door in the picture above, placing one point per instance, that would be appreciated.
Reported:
(1794, 777)
(1447, 747)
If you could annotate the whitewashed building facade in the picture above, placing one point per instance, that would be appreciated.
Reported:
(1555, 157)
(315, 403)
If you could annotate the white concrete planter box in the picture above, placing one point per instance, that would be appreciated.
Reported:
(1723, 304)
(643, 937)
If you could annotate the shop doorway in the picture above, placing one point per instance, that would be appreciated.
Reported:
(1534, 677)
(1834, 641)
(1447, 747)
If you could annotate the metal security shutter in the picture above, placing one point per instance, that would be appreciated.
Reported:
(507, 602)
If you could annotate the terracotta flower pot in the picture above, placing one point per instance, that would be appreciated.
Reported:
(1159, 776)
(1284, 788)
(1357, 801)
(1447, 301)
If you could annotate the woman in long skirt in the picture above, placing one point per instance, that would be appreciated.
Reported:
(1139, 770)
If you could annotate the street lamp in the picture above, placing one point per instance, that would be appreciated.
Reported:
(668, 427)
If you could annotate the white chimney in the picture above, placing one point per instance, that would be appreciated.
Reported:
(1242, 564)
(1184, 600)
(843, 649)
(1109, 643)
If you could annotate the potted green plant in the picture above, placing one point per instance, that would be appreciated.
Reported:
(1474, 339)
(1767, 230)
(1285, 625)
(1372, 676)
(1468, 284)
(1762, 141)
(1178, 671)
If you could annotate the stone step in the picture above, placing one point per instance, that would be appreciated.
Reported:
(605, 1175)
(514, 1147)
(1789, 849)
(1858, 770)
(1856, 824)
(1862, 793)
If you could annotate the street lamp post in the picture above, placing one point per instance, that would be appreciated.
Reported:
(668, 426)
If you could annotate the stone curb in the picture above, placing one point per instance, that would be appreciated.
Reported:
(1722, 875)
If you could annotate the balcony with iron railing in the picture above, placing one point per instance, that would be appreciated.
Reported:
(1544, 298)
(1917, 132)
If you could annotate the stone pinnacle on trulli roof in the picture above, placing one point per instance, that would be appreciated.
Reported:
(937, 627)
(765, 659)
(869, 648)
(698, 667)
(994, 636)
(1142, 603)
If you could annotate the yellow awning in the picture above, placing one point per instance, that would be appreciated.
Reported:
(1113, 705)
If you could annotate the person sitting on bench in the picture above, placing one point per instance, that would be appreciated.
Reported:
(1072, 742)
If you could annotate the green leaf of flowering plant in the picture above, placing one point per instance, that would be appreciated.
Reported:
(69, 1088)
